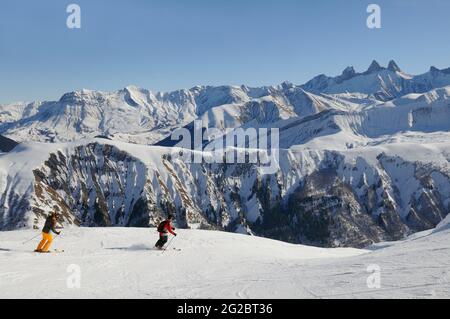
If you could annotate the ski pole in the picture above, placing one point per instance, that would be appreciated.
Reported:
(168, 245)
(30, 239)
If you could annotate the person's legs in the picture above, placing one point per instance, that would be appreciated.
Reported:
(164, 240)
(48, 243)
(158, 243)
(42, 243)
(161, 242)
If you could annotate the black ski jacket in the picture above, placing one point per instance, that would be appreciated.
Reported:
(49, 225)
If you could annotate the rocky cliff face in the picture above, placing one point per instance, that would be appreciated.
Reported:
(94, 186)
(100, 185)
(333, 201)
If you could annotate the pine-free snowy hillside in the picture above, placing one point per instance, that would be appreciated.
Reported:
(120, 263)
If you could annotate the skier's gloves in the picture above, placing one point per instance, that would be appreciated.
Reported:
(174, 234)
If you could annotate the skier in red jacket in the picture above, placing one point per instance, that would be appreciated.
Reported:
(164, 228)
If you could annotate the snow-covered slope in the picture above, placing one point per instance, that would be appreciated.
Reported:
(119, 263)
(418, 114)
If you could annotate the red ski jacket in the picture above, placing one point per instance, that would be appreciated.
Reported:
(167, 228)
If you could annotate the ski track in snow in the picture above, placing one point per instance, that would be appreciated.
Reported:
(121, 263)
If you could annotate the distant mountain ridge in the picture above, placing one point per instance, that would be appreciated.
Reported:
(382, 83)
(140, 116)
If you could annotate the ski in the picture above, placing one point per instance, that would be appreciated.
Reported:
(54, 251)
(167, 249)
(173, 249)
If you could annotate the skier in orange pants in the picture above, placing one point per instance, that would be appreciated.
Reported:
(47, 238)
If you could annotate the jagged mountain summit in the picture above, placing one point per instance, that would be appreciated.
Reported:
(381, 83)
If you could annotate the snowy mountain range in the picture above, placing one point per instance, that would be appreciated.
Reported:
(140, 116)
(364, 157)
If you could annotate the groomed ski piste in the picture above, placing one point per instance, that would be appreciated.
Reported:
(121, 263)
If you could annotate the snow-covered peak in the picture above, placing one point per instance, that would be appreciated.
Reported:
(392, 66)
(81, 95)
(374, 67)
(435, 71)
(134, 88)
(349, 71)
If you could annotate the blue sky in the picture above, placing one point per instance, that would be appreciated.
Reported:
(172, 44)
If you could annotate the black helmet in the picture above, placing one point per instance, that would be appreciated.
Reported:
(170, 216)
